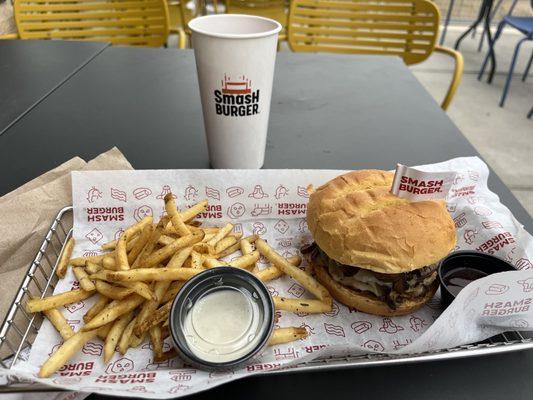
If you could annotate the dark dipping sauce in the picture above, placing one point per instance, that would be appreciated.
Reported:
(456, 279)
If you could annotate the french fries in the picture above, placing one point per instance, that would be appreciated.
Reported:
(286, 335)
(64, 258)
(141, 273)
(57, 300)
(59, 322)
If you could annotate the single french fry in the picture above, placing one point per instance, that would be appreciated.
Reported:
(140, 288)
(221, 234)
(286, 335)
(296, 273)
(167, 355)
(273, 272)
(57, 300)
(114, 334)
(135, 341)
(151, 243)
(196, 260)
(133, 230)
(112, 292)
(64, 258)
(247, 248)
(210, 262)
(91, 268)
(83, 279)
(114, 310)
(245, 260)
(154, 274)
(191, 212)
(179, 258)
(69, 347)
(236, 235)
(157, 341)
(124, 341)
(104, 330)
(80, 261)
(236, 246)
(59, 322)
(96, 308)
(155, 318)
(148, 307)
(140, 243)
(223, 244)
(301, 305)
(172, 291)
(210, 230)
(165, 240)
(204, 248)
(175, 217)
(169, 250)
(121, 254)
(109, 263)
(113, 244)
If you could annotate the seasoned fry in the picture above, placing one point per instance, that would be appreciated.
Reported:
(152, 242)
(135, 341)
(165, 240)
(210, 262)
(179, 258)
(157, 341)
(203, 248)
(140, 288)
(133, 230)
(247, 248)
(246, 260)
(113, 337)
(193, 211)
(237, 246)
(301, 305)
(121, 254)
(114, 310)
(153, 274)
(109, 263)
(83, 279)
(91, 268)
(175, 217)
(172, 291)
(221, 234)
(167, 251)
(140, 243)
(160, 288)
(80, 261)
(59, 322)
(296, 273)
(113, 244)
(57, 300)
(112, 292)
(196, 260)
(104, 330)
(155, 318)
(66, 351)
(286, 335)
(96, 308)
(223, 244)
(272, 272)
(124, 341)
(236, 235)
(64, 258)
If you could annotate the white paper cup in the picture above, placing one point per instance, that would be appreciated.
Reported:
(235, 56)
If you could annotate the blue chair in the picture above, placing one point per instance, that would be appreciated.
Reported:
(525, 26)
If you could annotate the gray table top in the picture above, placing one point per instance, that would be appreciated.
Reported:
(328, 111)
(29, 72)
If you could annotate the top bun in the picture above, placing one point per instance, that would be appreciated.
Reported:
(356, 221)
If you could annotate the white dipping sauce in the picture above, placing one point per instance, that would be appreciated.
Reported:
(222, 326)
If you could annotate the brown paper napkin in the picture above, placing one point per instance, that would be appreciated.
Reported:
(27, 213)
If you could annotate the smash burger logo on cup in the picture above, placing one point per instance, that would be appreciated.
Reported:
(235, 56)
(415, 185)
(236, 99)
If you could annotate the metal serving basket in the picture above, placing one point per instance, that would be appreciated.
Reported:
(19, 329)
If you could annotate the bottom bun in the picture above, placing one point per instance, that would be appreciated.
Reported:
(367, 304)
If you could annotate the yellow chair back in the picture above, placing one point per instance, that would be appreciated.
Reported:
(179, 14)
(406, 28)
(127, 22)
(273, 9)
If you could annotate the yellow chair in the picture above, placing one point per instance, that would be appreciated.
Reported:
(405, 28)
(125, 22)
(273, 9)
(179, 14)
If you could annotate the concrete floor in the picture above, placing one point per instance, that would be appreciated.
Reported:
(503, 136)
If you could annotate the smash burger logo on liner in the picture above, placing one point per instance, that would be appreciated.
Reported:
(236, 98)
(415, 185)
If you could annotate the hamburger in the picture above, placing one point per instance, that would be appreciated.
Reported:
(373, 251)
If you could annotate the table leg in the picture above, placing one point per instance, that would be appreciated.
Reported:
(474, 24)
(447, 21)
(490, 41)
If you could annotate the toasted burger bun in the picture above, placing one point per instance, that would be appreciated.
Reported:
(356, 221)
(366, 303)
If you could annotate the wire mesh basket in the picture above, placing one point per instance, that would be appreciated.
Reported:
(19, 328)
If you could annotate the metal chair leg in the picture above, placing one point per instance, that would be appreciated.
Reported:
(530, 113)
(491, 48)
(474, 24)
(526, 72)
(511, 69)
(446, 22)
(491, 17)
